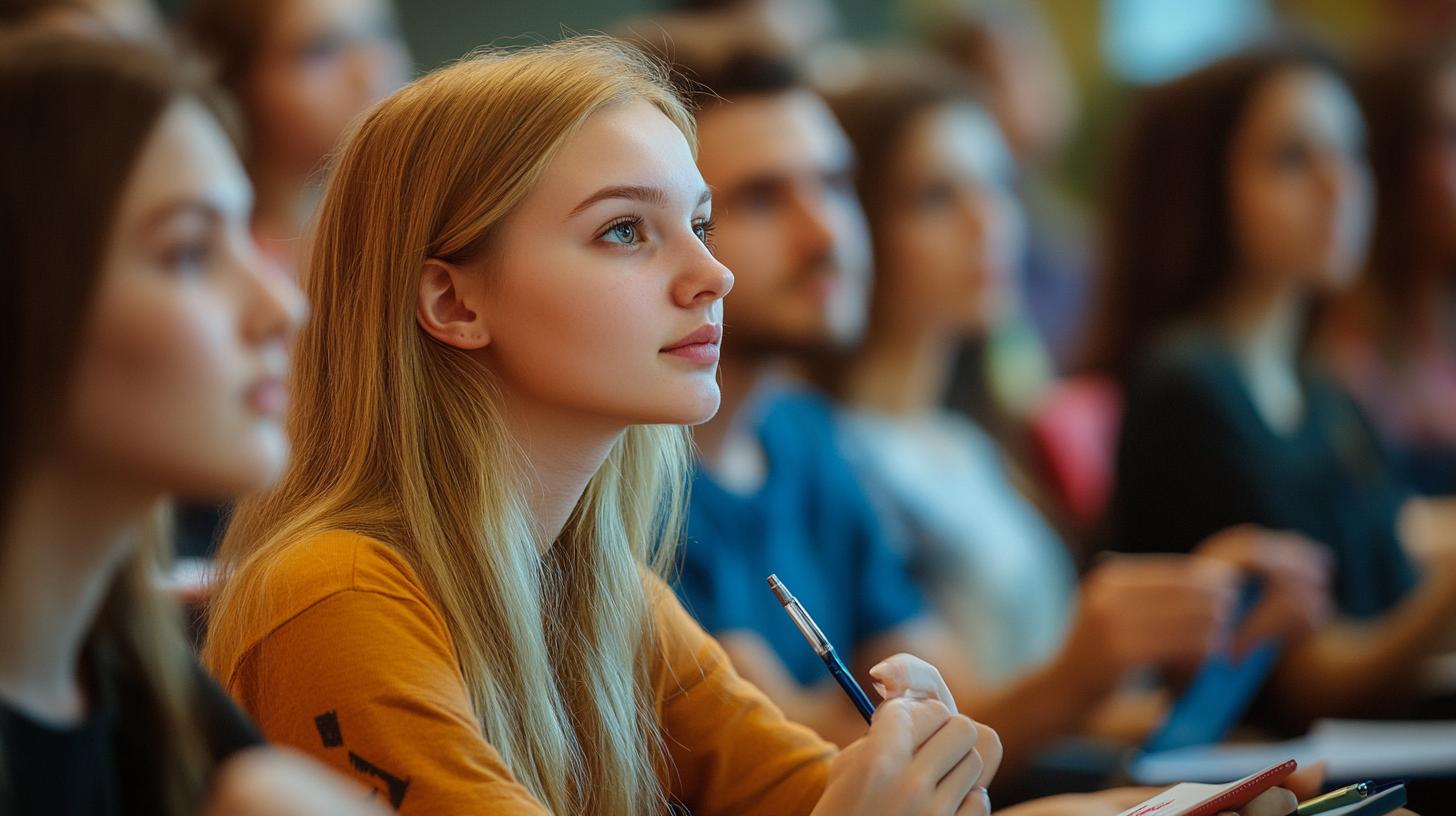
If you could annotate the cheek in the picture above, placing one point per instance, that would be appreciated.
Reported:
(160, 394)
(585, 340)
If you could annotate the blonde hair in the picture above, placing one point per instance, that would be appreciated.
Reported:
(399, 437)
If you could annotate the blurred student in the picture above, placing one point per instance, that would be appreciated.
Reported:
(1008, 50)
(142, 349)
(453, 593)
(301, 71)
(1240, 197)
(935, 178)
(774, 492)
(1392, 340)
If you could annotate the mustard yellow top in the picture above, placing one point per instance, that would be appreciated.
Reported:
(355, 666)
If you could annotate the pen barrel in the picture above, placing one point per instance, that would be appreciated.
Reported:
(850, 685)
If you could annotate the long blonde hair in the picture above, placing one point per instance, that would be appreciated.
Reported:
(399, 437)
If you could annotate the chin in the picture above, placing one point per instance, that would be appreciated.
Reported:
(689, 407)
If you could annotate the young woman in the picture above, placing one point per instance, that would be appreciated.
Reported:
(936, 181)
(1242, 196)
(450, 593)
(142, 350)
(1392, 341)
(301, 71)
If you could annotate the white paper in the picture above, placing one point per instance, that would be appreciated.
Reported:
(1354, 749)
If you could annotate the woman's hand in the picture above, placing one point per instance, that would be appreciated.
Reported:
(1295, 600)
(277, 782)
(918, 759)
(1149, 610)
(910, 677)
(1272, 802)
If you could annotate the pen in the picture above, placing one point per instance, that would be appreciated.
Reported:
(1336, 798)
(822, 647)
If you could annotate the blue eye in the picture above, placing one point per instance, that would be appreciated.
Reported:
(704, 230)
(623, 233)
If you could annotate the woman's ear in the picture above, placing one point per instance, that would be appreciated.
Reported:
(450, 307)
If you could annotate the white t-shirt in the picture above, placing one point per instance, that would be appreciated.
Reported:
(996, 571)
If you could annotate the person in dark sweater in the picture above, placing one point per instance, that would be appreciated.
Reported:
(141, 356)
(1240, 198)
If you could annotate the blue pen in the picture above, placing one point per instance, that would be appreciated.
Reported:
(822, 647)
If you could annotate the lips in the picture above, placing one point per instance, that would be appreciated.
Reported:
(699, 347)
(268, 396)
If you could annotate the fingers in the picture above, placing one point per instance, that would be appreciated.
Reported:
(908, 676)
(908, 723)
(988, 745)
(977, 803)
(957, 786)
(954, 743)
(1307, 782)
(1273, 802)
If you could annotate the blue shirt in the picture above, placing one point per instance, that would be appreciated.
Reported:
(811, 523)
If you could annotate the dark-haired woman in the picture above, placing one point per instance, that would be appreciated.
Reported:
(1241, 197)
(142, 347)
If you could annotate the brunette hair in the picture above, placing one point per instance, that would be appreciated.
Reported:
(1168, 250)
(78, 113)
(1395, 91)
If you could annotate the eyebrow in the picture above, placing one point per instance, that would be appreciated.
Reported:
(636, 192)
(206, 210)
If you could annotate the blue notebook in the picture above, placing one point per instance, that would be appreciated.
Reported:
(1221, 691)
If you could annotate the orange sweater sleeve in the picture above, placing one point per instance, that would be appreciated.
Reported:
(364, 678)
(732, 750)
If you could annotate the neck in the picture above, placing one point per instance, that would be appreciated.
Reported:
(902, 371)
(562, 453)
(1265, 324)
(66, 534)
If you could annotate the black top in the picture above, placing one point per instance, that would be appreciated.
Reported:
(106, 765)
(1195, 457)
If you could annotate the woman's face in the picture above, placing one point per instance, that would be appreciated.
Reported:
(951, 227)
(602, 297)
(1300, 191)
(179, 384)
(321, 64)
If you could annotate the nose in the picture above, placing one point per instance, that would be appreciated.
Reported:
(813, 223)
(274, 307)
(702, 280)
(1339, 178)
